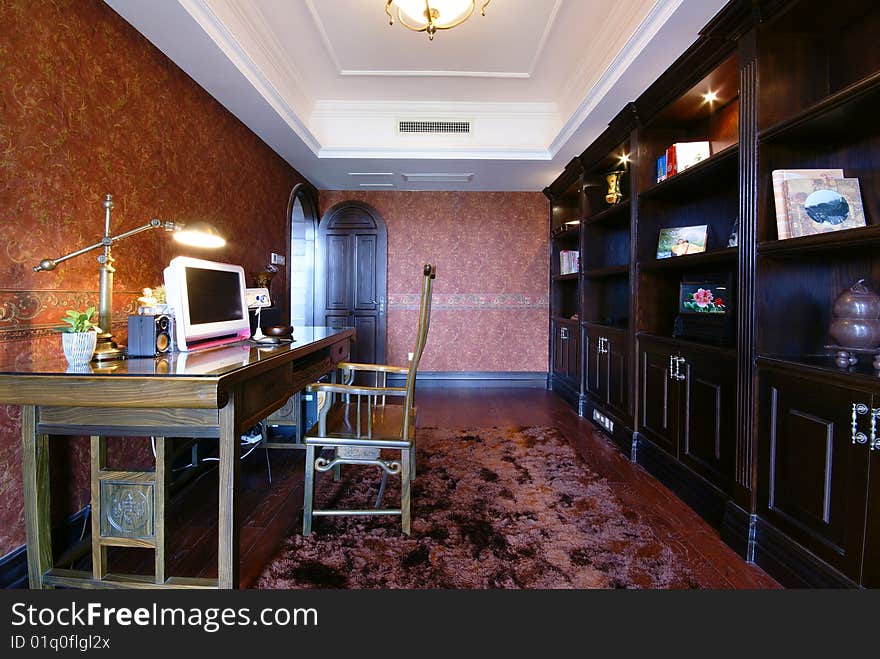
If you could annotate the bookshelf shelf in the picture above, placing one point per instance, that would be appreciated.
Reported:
(572, 276)
(720, 166)
(850, 239)
(726, 256)
(610, 271)
(689, 346)
(617, 214)
(850, 110)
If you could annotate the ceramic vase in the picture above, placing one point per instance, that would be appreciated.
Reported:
(79, 347)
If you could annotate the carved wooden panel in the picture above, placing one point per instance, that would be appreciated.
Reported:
(127, 508)
(337, 264)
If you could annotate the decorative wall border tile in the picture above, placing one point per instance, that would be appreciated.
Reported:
(28, 314)
(472, 301)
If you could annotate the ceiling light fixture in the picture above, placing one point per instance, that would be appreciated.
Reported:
(432, 15)
(710, 97)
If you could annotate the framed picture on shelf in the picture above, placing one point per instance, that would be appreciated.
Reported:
(810, 202)
(678, 241)
(705, 310)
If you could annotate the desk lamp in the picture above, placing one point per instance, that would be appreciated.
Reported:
(198, 234)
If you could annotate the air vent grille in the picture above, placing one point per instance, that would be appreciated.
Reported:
(434, 127)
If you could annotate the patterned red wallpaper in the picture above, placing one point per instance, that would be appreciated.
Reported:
(89, 107)
(490, 296)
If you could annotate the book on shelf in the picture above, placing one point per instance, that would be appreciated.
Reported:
(569, 261)
(813, 205)
(681, 156)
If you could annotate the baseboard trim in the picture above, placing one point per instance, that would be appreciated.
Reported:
(792, 565)
(736, 529)
(14, 566)
(564, 389)
(622, 437)
(707, 501)
(475, 379)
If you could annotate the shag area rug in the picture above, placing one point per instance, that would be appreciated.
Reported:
(492, 508)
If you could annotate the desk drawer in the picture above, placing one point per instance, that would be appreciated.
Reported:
(339, 351)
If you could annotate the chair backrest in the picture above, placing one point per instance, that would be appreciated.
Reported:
(430, 272)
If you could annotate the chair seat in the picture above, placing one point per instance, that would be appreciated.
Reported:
(383, 429)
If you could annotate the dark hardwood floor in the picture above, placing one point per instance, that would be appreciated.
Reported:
(272, 512)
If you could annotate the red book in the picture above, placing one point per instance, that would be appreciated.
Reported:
(671, 164)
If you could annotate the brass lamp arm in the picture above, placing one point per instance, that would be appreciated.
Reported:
(107, 241)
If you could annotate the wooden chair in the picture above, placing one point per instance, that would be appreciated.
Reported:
(359, 422)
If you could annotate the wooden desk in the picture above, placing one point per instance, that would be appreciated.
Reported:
(213, 393)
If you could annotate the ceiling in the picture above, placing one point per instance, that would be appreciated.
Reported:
(325, 83)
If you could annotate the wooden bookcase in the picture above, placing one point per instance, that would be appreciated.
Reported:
(566, 215)
(762, 434)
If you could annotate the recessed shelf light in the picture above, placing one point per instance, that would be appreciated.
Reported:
(710, 97)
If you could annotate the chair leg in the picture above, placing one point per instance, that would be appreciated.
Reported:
(309, 489)
(413, 461)
(405, 460)
(381, 489)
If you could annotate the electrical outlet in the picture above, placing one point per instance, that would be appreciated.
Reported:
(409, 356)
(277, 259)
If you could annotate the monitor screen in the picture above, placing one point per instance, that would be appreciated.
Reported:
(208, 299)
(214, 296)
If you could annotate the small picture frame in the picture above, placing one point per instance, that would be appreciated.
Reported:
(706, 310)
(707, 298)
(679, 241)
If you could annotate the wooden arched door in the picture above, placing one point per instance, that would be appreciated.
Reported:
(350, 281)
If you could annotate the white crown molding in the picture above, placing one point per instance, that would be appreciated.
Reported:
(331, 108)
(544, 37)
(644, 33)
(322, 32)
(224, 39)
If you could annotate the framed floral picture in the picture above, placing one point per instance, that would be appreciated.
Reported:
(706, 311)
(703, 298)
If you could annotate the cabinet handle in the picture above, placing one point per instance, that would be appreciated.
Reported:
(679, 362)
(859, 437)
(603, 345)
(875, 441)
(672, 363)
(563, 334)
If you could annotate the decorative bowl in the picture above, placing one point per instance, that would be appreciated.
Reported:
(278, 330)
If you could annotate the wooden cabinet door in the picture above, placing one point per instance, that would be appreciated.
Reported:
(595, 371)
(871, 559)
(658, 420)
(708, 416)
(617, 362)
(812, 477)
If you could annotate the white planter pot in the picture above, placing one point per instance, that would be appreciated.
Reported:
(79, 346)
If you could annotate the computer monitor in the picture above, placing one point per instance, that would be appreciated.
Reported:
(208, 300)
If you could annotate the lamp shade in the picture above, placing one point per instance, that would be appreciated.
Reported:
(199, 234)
(447, 11)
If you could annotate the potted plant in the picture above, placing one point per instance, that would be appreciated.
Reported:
(79, 340)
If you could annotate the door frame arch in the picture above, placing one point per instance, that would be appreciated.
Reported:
(307, 195)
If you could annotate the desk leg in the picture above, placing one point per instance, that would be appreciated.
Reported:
(228, 541)
(35, 467)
